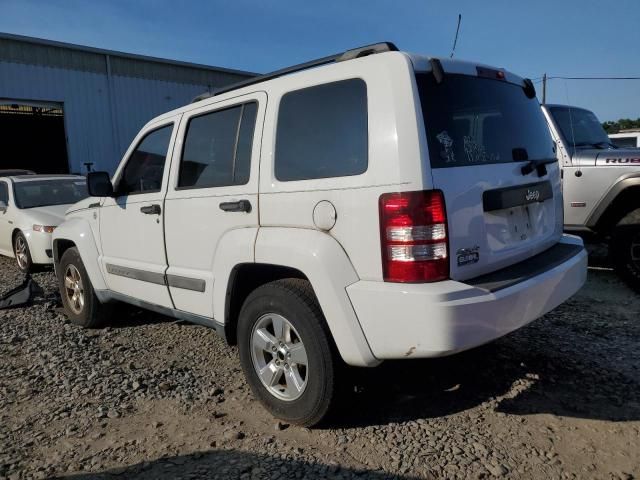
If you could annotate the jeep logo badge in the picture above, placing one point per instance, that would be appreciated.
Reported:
(532, 195)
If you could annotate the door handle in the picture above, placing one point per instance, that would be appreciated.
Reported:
(151, 209)
(239, 206)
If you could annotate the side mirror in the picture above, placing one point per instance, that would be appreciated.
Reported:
(3, 206)
(99, 184)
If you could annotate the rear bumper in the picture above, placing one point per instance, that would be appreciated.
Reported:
(438, 319)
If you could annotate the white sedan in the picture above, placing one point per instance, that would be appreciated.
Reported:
(31, 207)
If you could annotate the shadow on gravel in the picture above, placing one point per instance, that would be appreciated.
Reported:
(577, 362)
(227, 464)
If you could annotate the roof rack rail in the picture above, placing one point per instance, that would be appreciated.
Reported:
(339, 57)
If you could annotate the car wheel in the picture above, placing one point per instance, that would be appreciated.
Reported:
(625, 252)
(78, 297)
(22, 253)
(286, 351)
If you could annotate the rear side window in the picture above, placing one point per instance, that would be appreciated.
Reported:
(475, 121)
(145, 167)
(217, 148)
(323, 132)
(4, 193)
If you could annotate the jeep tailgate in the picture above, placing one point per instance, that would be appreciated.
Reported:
(481, 132)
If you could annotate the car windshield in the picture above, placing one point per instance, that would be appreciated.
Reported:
(40, 193)
(474, 121)
(580, 127)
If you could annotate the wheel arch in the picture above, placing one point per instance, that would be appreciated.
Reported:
(319, 258)
(618, 202)
(244, 279)
(76, 232)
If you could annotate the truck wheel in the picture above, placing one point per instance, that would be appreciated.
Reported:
(625, 252)
(286, 352)
(22, 253)
(78, 297)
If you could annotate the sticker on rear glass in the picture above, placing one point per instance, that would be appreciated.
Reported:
(467, 256)
(447, 142)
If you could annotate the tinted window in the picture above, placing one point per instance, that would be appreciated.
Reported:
(217, 148)
(143, 172)
(40, 193)
(475, 121)
(323, 132)
(4, 193)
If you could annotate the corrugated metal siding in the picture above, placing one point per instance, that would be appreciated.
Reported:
(87, 109)
(74, 58)
(51, 56)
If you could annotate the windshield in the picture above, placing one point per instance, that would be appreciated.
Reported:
(580, 127)
(40, 193)
(475, 121)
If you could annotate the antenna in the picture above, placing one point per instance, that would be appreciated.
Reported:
(455, 40)
(573, 135)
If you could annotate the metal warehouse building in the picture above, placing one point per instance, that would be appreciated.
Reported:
(67, 108)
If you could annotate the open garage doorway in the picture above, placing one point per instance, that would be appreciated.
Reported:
(33, 136)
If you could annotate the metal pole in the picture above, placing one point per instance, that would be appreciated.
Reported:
(544, 88)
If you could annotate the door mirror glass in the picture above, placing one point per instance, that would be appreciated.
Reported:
(99, 184)
(3, 206)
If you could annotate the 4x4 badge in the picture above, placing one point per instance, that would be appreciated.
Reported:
(467, 256)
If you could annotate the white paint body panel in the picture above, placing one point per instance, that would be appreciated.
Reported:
(132, 239)
(79, 227)
(433, 320)
(194, 222)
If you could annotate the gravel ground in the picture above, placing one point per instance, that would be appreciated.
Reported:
(152, 398)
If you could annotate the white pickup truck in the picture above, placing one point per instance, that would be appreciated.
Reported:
(368, 206)
(601, 185)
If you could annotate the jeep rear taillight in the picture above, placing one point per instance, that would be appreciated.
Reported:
(413, 237)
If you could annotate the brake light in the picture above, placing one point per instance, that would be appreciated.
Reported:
(413, 237)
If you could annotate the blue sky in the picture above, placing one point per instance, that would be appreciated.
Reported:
(560, 37)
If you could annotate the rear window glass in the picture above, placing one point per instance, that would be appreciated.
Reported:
(323, 132)
(475, 121)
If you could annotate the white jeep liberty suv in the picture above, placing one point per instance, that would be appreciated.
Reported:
(367, 206)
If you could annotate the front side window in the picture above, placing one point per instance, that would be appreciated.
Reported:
(323, 132)
(145, 167)
(41, 193)
(217, 148)
(472, 120)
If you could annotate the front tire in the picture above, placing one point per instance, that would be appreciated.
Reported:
(22, 253)
(78, 297)
(286, 351)
(625, 252)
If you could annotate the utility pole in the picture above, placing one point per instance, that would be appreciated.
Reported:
(544, 88)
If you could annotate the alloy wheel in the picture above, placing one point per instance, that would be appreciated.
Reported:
(21, 252)
(279, 357)
(73, 288)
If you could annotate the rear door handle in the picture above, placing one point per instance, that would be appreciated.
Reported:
(151, 210)
(239, 206)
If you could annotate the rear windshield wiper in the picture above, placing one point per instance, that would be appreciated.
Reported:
(538, 165)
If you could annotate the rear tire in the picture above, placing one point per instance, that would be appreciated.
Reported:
(625, 253)
(78, 297)
(286, 351)
(22, 253)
